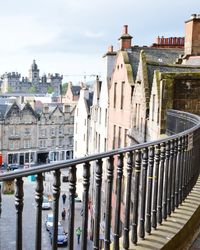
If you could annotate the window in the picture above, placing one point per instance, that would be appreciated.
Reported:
(27, 143)
(53, 143)
(115, 95)
(122, 95)
(27, 131)
(153, 107)
(119, 137)
(60, 142)
(106, 115)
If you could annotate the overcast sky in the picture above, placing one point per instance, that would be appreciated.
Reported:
(70, 37)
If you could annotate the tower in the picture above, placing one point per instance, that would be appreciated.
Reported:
(34, 73)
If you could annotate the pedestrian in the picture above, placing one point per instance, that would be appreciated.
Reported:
(63, 214)
(78, 233)
(64, 198)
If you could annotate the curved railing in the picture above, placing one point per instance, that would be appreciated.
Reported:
(158, 176)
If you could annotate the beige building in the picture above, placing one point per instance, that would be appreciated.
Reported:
(34, 137)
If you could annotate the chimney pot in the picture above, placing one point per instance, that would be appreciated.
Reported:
(125, 29)
(110, 48)
(193, 16)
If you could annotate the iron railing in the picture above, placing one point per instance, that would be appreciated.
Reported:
(158, 177)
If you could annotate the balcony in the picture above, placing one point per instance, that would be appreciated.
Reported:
(158, 200)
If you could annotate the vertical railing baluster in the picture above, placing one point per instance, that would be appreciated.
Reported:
(97, 205)
(149, 189)
(143, 192)
(161, 176)
(179, 169)
(19, 204)
(118, 201)
(134, 236)
(184, 159)
(170, 173)
(86, 184)
(165, 187)
(155, 186)
(56, 195)
(187, 151)
(129, 170)
(174, 176)
(39, 198)
(0, 201)
(72, 191)
(108, 212)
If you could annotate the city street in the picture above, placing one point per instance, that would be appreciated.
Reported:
(8, 217)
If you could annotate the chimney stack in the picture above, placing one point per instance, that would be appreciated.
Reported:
(192, 37)
(125, 39)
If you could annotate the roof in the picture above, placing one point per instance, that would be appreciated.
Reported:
(76, 90)
(176, 68)
(162, 55)
(89, 101)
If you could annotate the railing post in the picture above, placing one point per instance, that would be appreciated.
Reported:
(155, 186)
(39, 198)
(118, 201)
(170, 173)
(86, 184)
(174, 176)
(129, 170)
(0, 201)
(19, 204)
(97, 205)
(56, 195)
(160, 190)
(108, 203)
(143, 192)
(185, 162)
(179, 169)
(165, 188)
(72, 191)
(134, 237)
(149, 189)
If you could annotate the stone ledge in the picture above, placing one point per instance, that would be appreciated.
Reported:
(180, 229)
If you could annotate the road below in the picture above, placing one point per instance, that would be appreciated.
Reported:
(8, 217)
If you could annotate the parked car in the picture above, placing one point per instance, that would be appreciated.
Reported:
(77, 199)
(46, 204)
(62, 238)
(49, 222)
(13, 166)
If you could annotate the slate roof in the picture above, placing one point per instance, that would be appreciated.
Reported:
(3, 109)
(76, 90)
(151, 67)
(166, 56)
(89, 101)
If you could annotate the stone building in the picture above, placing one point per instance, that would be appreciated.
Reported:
(30, 136)
(146, 82)
(14, 83)
(72, 94)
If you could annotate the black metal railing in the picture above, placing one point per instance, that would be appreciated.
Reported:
(158, 177)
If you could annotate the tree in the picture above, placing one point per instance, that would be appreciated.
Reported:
(64, 88)
(49, 90)
(32, 90)
(10, 89)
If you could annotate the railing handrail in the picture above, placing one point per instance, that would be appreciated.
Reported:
(66, 164)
